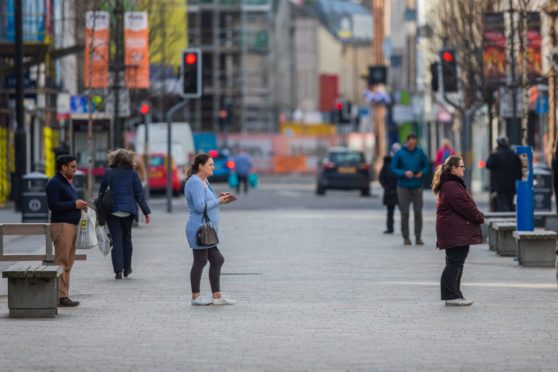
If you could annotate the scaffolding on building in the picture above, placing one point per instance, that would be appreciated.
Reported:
(235, 37)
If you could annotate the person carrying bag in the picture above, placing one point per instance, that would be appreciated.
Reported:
(202, 230)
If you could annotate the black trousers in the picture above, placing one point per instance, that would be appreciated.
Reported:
(121, 232)
(242, 178)
(504, 202)
(390, 213)
(216, 260)
(450, 283)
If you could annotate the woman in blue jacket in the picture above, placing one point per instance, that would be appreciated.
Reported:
(127, 193)
(199, 195)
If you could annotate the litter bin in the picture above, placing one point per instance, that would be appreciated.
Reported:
(35, 207)
(80, 182)
(542, 184)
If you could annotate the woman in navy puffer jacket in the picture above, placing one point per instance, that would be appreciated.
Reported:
(127, 193)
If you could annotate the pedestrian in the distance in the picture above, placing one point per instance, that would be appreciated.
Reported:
(243, 164)
(127, 193)
(444, 152)
(388, 180)
(65, 214)
(410, 165)
(458, 223)
(199, 197)
(505, 169)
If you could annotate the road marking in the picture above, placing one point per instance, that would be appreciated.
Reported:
(488, 284)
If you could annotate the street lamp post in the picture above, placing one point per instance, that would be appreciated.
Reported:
(20, 137)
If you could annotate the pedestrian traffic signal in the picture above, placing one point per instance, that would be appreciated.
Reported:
(434, 72)
(450, 78)
(191, 73)
(145, 108)
(341, 114)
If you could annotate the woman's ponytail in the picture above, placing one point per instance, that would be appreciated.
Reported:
(452, 161)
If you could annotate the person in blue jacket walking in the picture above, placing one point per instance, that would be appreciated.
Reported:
(410, 165)
(127, 193)
(199, 196)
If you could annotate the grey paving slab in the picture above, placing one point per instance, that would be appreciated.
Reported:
(317, 290)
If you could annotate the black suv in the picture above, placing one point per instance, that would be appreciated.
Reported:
(344, 169)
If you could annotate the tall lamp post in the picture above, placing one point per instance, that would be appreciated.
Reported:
(20, 137)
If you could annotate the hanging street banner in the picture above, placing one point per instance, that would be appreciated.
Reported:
(494, 49)
(96, 49)
(136, 41)
(534, 44)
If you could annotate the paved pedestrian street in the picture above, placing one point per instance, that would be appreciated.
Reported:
(317, 290)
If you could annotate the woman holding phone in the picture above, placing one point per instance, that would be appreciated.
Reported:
(200, 197)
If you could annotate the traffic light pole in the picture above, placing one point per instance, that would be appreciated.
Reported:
(146, 155)
(20, 137)
(170, 114)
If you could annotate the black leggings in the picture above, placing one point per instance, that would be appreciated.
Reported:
(216, 260)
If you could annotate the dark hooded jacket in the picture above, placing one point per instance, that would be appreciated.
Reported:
(388, 180)
(505, 169)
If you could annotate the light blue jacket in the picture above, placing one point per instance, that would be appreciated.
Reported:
(198, 194)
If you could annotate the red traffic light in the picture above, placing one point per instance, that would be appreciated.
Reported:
(339, 105)
(144, 108)
(190, 58)
(447, 56)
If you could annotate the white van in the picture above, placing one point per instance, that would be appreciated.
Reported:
(183, 150)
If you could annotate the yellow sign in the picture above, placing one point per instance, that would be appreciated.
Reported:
(49, 153)
(4, 166)
(302, 129)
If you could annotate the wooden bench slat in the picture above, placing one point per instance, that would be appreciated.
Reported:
(24, 228)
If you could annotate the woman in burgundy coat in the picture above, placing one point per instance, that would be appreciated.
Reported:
(457, 226)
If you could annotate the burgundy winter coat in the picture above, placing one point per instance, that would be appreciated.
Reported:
(457, 218)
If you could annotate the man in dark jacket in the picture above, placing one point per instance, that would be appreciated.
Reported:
(410, 165)
(505, 169)
(65, 215)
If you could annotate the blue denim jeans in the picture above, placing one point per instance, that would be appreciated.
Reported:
(121, 232)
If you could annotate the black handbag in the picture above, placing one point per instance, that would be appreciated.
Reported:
(103, 204)
(206, 236)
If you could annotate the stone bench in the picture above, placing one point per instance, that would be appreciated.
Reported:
(32, 290)
(544, 219)
(505, 243)
(536, 248)
(492, 232)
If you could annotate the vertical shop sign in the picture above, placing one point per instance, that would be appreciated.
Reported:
(494, 49)
(534, 43)
(96, 49)
(136, 40)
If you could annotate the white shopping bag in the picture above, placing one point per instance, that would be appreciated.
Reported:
(103, 239)
(86, 237)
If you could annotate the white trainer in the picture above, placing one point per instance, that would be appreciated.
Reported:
(200, 301)
(223, 301)
(459, 302)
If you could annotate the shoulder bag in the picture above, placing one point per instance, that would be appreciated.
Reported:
(206, 236)
(103, 204)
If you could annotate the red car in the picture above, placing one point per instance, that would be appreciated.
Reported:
(158, 174)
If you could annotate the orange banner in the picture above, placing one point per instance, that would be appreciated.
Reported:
(136, 40)
(96, 61)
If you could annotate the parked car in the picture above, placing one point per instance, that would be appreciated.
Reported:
(158, 174)
(343, 169)
(224, 165)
